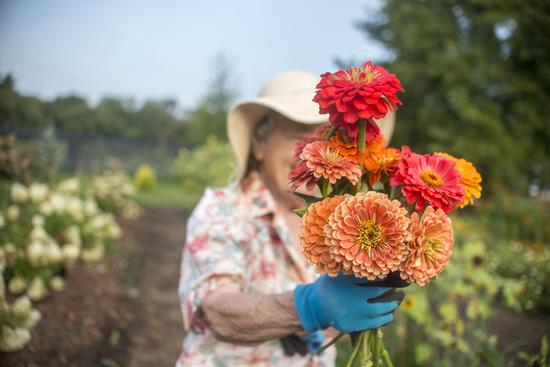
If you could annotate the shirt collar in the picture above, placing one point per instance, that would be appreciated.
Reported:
(257, 196)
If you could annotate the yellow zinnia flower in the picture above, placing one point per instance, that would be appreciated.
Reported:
(470, 178)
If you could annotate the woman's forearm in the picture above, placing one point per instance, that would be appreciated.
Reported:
(250, 318)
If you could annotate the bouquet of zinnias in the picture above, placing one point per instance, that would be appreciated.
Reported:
(383, 210)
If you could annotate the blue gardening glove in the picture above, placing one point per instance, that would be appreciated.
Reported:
(346, 303)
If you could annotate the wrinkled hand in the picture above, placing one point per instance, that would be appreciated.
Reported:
(347, 303)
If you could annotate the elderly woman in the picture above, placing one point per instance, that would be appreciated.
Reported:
(248, 298)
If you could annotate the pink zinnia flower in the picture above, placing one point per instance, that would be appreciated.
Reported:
(430, 248)
(301, 175)
(320, 160)
(367, 234)
(430, 179)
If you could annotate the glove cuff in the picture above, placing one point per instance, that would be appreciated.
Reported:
(303, 306)
(314, 341)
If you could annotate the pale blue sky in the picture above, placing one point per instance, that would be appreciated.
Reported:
(157, 49)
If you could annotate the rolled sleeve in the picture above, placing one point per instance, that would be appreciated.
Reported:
(211, 259)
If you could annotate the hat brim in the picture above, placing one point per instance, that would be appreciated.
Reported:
(242, 118)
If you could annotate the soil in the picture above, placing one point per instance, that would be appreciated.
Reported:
(518, 333)
(125, 312)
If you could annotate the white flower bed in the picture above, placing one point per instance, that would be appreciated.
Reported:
(43, 231)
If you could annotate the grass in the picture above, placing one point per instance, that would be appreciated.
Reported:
(167, 193)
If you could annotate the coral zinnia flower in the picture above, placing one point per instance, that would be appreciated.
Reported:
(470, 178)
(322, 161)
(367, 234)
(429, 178)
(313, 237)
(430, 248)
(382, 162)
(363, 92)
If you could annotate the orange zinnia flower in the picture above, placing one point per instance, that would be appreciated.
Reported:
(367, 234)
(470, 178)
(430, 248)
(349, 149)
(312, 235)
(382, 162)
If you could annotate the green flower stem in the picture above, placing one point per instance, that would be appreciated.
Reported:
(356, 348)
(359, 186)
(361, 132)
(368, 184)
(385, 355)
(375, 347)
(393, 193)
(331, 132)
(324, 189)
(387, 189)
(324, 347)
(366, 341)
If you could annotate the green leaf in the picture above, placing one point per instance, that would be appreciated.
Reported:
(308, 198)
(300, 211)
(544, 347)
(107, 362)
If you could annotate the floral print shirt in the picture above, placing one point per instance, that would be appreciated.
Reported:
(234, 235)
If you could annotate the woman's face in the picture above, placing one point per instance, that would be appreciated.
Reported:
(276, 155)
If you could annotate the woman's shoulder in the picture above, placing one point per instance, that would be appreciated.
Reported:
(219, 206)
(215, 201)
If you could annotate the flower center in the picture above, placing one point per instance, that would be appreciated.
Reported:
(432, 179)
(364, 74)
(369, 234)
(431, 247)
(386, 160)
(332, 155)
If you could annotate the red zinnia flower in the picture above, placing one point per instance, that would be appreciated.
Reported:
(365, 92)
(429, 178)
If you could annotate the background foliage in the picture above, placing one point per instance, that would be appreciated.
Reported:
(476, 75)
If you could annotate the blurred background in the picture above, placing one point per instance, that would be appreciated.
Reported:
(112, 122)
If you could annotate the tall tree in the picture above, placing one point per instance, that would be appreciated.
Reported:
(209, 118)
(477, 80)
(16, 110)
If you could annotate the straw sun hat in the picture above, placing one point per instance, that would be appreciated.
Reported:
(289, 94)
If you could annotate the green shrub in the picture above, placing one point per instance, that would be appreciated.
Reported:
(145, 177)
(208, 165)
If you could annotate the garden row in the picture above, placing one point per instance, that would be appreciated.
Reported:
(44, 230)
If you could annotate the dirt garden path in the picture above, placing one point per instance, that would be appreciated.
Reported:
(156, 336)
